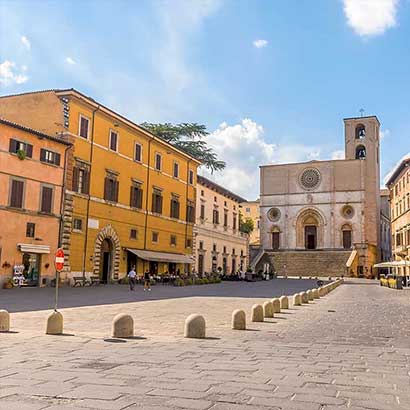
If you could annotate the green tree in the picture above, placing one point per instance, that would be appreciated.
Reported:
(188, 137)
(246, 225)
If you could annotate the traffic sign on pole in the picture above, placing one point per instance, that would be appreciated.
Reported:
(59, 260)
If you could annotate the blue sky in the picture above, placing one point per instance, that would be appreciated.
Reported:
(271, 79)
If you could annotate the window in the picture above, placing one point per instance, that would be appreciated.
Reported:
(201, 245)
(174, 207)
(133, 234)
(188, 243)
(190, 212)
(158, 162)
(50, 157)
(225, 219)
(360, 152)
(113, 141)
(225, 203)
(202, 192)
(241, 253)
(360, 131)
(16, 146)
(215, 217)
(234, 222)
(224, 249)
(248, 210)
(138, 152)
(233, 251)
(30, 230)
(157, 201)
(81, 179)
(214, 247)
(111, 186)
(191, 177)
(77, 224)
(176, 170)
(202, 211)
(215, 199)
(136, 196)
(155, 236)
(46, 200)
(16, 193)
(84, 127)
(173, 240)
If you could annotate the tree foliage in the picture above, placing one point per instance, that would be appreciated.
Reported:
(246, 225)
(188, 137)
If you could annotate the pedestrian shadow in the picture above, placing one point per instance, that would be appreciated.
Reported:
(9, 331)
(65, 334)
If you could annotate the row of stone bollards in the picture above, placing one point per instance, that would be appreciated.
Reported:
(195, 325)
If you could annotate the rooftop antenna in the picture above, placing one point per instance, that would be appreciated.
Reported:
(361, 112)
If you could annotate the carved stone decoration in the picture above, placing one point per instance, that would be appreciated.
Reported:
(310, 179)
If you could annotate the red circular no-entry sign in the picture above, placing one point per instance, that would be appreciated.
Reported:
(59, 260)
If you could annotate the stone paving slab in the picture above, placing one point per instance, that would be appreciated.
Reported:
(349, 350)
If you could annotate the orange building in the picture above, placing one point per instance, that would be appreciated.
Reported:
(31, 187)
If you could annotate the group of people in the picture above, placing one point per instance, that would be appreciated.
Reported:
(132, 278)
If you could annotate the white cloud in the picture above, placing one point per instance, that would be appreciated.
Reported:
(26, 42)
(70, 60)
(8, 74)
(384, 134)
(260, 43)
(339, 154)
(371, 17)
(243, 147)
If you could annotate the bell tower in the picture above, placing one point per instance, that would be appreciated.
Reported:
(362, 143)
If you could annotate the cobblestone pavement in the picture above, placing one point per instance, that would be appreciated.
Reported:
(350, 349)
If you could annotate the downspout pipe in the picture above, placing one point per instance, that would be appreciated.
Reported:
(89, 195)
(62, 198)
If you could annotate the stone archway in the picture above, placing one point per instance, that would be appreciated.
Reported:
(109, 233)
(310, 226)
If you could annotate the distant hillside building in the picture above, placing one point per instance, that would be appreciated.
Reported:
(323, 217)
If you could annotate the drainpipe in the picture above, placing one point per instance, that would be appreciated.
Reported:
(186, 198)
(62, 198)
(89, 196)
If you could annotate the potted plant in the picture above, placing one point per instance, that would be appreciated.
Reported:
(8, 284)
(21, 154)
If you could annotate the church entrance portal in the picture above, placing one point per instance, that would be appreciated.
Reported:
(310, 237)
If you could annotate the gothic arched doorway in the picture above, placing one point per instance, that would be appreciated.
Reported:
(310, 229)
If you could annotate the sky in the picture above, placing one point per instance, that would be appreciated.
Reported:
(272, 80)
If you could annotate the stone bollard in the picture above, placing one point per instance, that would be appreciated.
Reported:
(257, 313)
(315, 293)
(276, 305)
(284, 302)
(322, 292)
(4, 321)
(268, 309)
(304, 296)
(195, 327)
(55, 324)
(297, 301)
(123, 326)
(239, 320)
(310, 295)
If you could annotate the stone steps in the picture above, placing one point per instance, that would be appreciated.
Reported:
(307, 263)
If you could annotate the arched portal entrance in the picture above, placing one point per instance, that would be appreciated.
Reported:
(107, 252)
(106, 260)
(310, 229)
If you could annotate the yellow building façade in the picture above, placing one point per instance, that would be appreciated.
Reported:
(129, 196)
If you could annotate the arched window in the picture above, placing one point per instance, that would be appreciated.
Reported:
(347, 236)
(360, 131)
(360, 152)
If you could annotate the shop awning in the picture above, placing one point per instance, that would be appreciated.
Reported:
(393, 264)
(161, 256)
(351, 258)
(29, 248)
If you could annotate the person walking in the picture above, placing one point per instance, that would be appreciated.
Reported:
(147, 281)
(131, 277)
